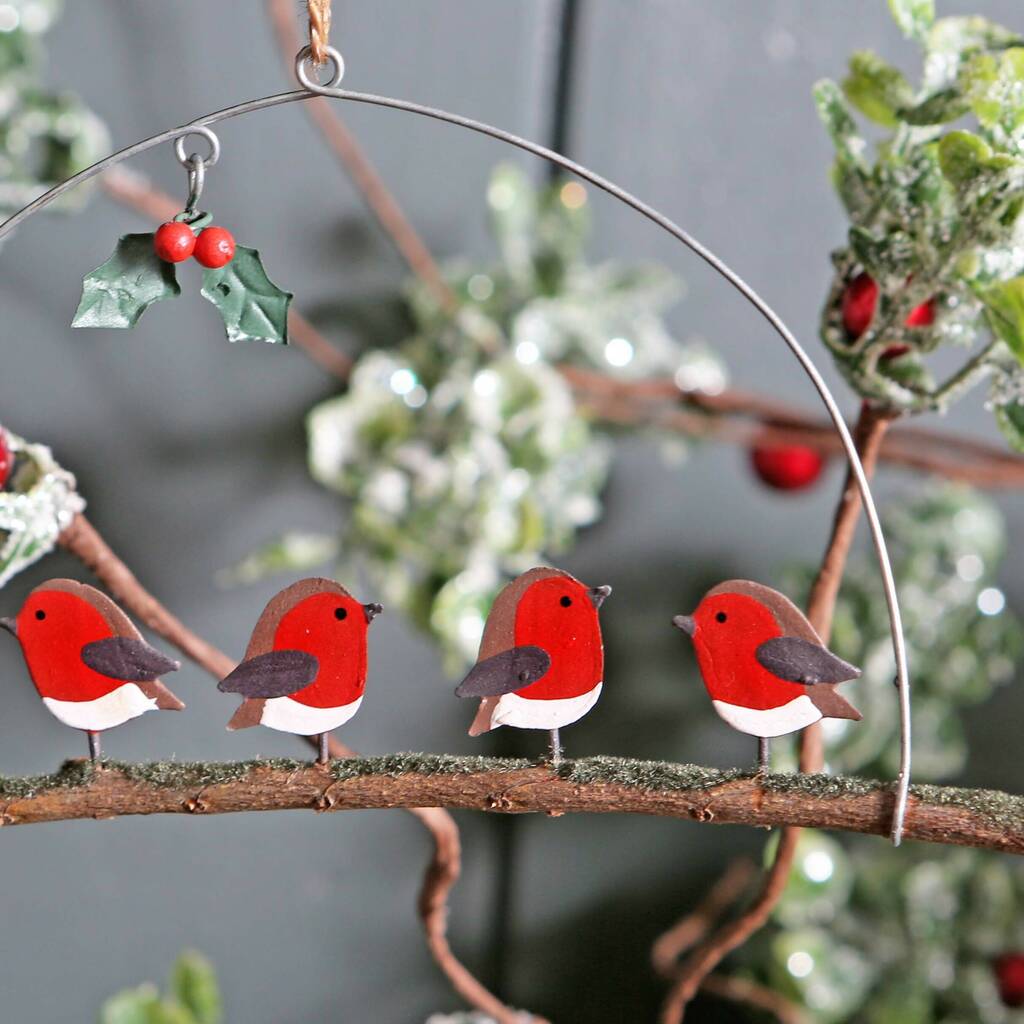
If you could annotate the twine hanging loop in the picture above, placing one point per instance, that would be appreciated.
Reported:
(319, 30)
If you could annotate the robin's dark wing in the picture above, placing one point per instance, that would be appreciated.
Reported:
(274, 674)
(505, 672)
(800, 661)
(127, 658)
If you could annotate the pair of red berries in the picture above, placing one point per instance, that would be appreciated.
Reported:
(858, 308)
(213, 247)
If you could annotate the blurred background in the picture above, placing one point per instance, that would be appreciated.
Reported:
(192, 455)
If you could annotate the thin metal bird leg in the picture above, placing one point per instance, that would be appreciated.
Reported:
(764, 755)
(325, 755)
(95, 751)
(556, 748)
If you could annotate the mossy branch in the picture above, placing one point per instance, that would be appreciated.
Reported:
(937, 814)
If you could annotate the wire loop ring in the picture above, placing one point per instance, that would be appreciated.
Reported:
(206, 133)
(304, 62)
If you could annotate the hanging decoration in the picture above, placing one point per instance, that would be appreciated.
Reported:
(541, 661)
(765, 668)
(89, 663)
(141, 270)
(304, 671)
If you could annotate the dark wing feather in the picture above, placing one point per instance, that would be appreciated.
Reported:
(127, 658)
(274, 674)
(800, 661)
(506, 672)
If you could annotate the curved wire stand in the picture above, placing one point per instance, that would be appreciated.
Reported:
(312, 88)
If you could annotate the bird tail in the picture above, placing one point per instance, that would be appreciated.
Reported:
(249, 713)
(832, 704)
(482, 722)
(165, 700)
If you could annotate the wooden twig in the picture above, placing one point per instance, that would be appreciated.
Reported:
(83, 541)
(691, 929)
(984, 819)
(760, 997)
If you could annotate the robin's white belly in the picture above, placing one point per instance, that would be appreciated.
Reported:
(287, 715)
(106, 712)
(525, 713)
(767, 722)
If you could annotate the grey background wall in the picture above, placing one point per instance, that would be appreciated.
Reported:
(191, 453)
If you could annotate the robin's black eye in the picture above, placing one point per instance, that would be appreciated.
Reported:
(721, 616)
(40, 615)
(340, 613)
(565, 602)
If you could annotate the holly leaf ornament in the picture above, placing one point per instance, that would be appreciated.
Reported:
(119, 291)
(253, 307)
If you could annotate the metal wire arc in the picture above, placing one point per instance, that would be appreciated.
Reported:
(482, 128)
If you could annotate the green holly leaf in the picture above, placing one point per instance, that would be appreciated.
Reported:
(1004, 306)
(119, 291)
(253, 307)
(1010, 420)
(963, 157)
(194, 985)
(877, 89)
(914, 17)
(940, 108)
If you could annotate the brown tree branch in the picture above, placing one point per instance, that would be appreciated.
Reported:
(984, 819)
(691, 929)
(83, 541)
(750, 993)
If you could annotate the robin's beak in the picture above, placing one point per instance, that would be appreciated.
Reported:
(686, 623)
(598, 595)
(372, 611)
(10, 625)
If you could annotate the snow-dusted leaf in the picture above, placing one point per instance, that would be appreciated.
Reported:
(914, 17)
(120, 290)
(253, 307)
(39, 503)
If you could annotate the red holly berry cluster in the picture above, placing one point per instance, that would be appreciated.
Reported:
(175, 241)
(1009, 972)
(6, 459)
(858, 307)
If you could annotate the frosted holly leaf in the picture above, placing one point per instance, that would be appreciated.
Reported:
(120, 290)
(292, 551)
(914, 17)
(38, 505)
(253, 307)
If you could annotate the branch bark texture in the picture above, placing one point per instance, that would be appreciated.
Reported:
(984, 819)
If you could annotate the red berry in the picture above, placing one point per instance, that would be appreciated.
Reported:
(787, 467)
(858, 308)
(6, 459)
(922, 316)
(1009, 971)
(215, 247)
(859, 302)
(174, 241)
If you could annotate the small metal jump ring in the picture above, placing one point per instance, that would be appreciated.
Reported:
(206, 133)
(196, 180)
(304, 61)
